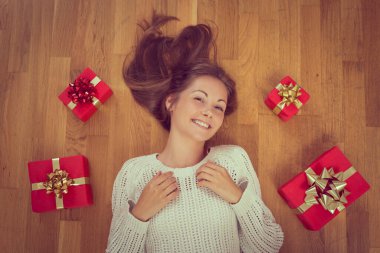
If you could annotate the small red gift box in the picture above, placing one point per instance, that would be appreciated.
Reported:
(60, 183)
(287, 98)
(85, 94)
(319, 194)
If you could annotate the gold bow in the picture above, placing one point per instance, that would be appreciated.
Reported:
(289, 94)
(327, 189)
(59, 182)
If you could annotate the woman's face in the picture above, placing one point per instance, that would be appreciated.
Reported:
(199, 111)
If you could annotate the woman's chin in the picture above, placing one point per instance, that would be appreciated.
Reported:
(202, 137)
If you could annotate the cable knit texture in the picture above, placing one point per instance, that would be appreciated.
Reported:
(198, 220)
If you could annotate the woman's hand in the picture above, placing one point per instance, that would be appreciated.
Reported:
(217, 179)
(158, 192)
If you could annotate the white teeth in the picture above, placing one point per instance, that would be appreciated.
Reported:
(201, 123)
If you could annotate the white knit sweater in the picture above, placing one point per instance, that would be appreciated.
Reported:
(198, 220)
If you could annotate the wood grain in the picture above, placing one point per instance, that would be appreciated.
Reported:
(328, 46)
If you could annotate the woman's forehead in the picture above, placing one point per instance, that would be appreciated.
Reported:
(210, 85)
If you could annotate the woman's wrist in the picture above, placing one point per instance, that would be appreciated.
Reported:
(137, 215)
(239, 193)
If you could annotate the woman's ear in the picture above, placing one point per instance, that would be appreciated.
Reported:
(169, 102)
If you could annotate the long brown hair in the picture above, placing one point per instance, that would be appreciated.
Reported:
(164, 65)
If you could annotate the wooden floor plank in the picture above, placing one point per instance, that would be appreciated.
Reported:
(330, 47)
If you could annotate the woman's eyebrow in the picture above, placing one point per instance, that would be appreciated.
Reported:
(207, 95)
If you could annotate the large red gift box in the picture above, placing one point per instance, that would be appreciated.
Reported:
(286, 99)
(315, 216)
(85, 109)
(78, 193)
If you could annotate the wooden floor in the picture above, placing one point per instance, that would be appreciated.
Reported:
(330, 47)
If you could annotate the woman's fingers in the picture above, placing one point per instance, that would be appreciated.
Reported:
(167, 183)
(206, 170)
(164, 182)
(162, 177)
(205, 176)
(172, 195)
(170, 188)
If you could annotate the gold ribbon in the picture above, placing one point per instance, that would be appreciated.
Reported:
(59, 182)
(96, 102)
(289, 94)
(327, 189)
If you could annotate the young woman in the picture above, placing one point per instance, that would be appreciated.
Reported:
(187, 198)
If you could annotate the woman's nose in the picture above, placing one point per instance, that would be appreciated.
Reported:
(207, 113)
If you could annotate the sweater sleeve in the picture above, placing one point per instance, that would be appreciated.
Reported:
(258, 230)
(127, 233)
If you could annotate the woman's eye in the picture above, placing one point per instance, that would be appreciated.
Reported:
(219, 108)
(202, 100)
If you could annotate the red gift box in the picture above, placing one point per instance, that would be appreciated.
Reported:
(315, 216)
(78, 193)
(287, 98)
(84, 110)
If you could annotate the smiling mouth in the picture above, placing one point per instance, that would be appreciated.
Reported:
(201, 124)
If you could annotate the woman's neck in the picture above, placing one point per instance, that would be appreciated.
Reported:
(181, 153)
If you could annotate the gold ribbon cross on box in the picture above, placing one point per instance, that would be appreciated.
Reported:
(59, 182)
